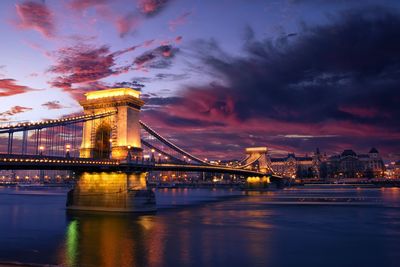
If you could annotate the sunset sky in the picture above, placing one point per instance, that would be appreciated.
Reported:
(217, 75)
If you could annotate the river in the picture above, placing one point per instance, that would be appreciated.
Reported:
(307, 226)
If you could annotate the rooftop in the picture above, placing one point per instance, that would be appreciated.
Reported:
(112, 93)
(348, 152)
(374, 150)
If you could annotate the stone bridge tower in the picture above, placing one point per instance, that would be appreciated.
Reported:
(258, 155)
(111, 137)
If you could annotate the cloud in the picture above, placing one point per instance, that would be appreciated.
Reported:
(8, 87)
(85, 4)
(82, 64)
(167, 77)
(152, 7)
(36, 16)
(127, 24)
(53, 105)
(337, 79)
(157, 58)
(181, 20)
(178, 39)
(4, 116)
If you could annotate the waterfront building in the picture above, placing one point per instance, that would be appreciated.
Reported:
(392, 170)
(349, 164)
(297, 166)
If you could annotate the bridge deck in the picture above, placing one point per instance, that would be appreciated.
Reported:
(23, 162)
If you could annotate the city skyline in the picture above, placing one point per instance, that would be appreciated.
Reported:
(290, 75)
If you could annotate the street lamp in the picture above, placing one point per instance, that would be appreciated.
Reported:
(41, 149)
(67, 149)
(129, 156)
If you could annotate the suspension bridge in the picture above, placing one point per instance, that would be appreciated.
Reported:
(111, 150)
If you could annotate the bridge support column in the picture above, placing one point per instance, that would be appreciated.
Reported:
(115, 136)
(111, 192)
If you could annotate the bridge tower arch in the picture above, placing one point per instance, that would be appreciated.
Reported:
(123, 125)
(112, 137)
(259, 155)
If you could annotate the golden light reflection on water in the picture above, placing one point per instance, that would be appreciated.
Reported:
(206, 233)
(98, 241)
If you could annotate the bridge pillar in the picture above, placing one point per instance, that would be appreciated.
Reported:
(117, 137)
(111, 192)
(113, 136)
(259, 156)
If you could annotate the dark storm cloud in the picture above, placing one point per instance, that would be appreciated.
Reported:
(179, 121)
(337, 84)
(347, 70)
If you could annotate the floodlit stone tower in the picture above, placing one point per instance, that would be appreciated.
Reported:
(259, 156)
(111, 137)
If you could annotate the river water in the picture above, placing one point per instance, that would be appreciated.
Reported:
(308, 226)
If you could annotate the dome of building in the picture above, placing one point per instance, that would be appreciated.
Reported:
(348, 152)
(373, 150)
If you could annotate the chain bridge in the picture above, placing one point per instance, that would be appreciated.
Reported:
(111, 150)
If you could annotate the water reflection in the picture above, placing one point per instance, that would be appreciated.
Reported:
(99, 240)
(190, 237)
(238, 231)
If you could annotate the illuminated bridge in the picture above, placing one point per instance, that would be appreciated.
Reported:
(111, 150)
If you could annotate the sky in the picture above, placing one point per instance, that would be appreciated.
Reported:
(217, 76)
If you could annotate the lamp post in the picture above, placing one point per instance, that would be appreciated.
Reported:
(41, 172)
(41, 149)
(67, 149)
(129, 156)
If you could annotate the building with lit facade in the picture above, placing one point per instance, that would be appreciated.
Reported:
(297, 166)
(349, 164)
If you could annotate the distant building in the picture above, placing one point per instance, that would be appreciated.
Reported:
(297, 167)
(396, 171)
(351, 165)
(392, 170)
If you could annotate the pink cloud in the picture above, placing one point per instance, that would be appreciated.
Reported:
(181, 20)
(84, 4)
(8, 87)
(36, 16)
(13, 111)
(363, 112)
(83, 64)
(53, 105)
(150, 7)
(208, 118)
(158, 57)
(178, 39)
(127, 24)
